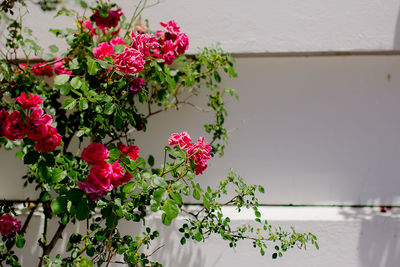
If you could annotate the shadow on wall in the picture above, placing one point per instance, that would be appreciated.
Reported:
(396, 39)
(378, 244)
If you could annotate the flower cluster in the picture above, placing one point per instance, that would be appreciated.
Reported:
(103, 176)
(167, 44)
(199, 152)
(37, 126)
(45, 69)
(8, 224)
(172, 41)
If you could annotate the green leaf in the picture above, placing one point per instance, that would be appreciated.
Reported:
(53, 48)
(92, 66)
(59, 205)
(183, 241)
(150, 160)
(206, 203)
(117, 121)
(177, 197)
(217, 77)
(170, 208)
(20, 241)
(61, 79)
(82, 211)
(83, 104)
(114, 153)
(196, 194)
(160, 194)
(76, 83)
(31, 157)
(165, 219)
(69, 103)
(158, 181)
(109, 108)
(57, 175)
(197, 235)
(129, 187)
(75, 195)
(274, 255)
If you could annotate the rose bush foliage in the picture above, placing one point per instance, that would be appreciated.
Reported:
(94, 92)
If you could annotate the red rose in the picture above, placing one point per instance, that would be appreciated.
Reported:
(50, 142)
(3, 116)
(8, 224)
(14, 126)
(38, 124)
(110, 21)
(130, 61)
(42, 69)
(29, 103)
(94, 153)
(131, 151)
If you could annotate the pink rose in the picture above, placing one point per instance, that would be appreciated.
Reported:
(131, 151)
(182, 43)
(98, 182)
(50, 142)
(183, 139)
(29, 103)
(171, 30)
(168, 52)
(144, 43)
(42, 69)
(95, 153)
(118, 174)
(8, 224)
(130, 61)
(14, 127)
(88, 25)
(38, 124)
(117, 41)
(60, 68)
(200, 153)
(3, 116)
(102, 173)
(103, 50)
(111, 21)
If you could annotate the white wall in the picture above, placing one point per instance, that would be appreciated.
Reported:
(311, 130)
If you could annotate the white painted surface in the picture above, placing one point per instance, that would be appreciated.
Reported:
(347, 238)
(264, 25)
(310, 130)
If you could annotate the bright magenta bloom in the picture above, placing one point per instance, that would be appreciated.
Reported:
(183, 139)
(131, 151)
(8, 224)
(103, 50)
(144, 43)
(60, 68)
(117, 41)
(3, 116)
(40, 69)
(29, 103)
(200, 152)
(14, 126)
(50, 142)
(95, 153)
(38, 123)
(130, 61)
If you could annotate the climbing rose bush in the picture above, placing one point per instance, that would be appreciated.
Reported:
(72, 116)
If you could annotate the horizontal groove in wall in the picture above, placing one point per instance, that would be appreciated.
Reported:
(318, 54)
(284, 54)
(21, 201)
